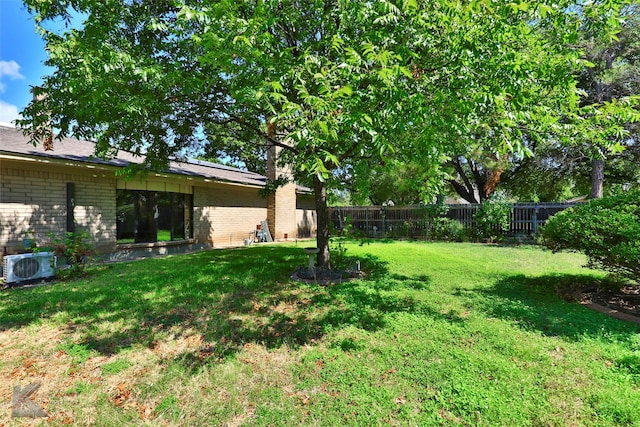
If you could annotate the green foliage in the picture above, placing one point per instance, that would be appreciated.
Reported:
(79, 353)
(76, 250)
(434, 210)
(344, 229)
(606, 230)
(447, 229)
(339, 259)
(439, 227)
(344, 83)
(404, 181)
(115, 367)
(30, 241)
(168, 405)
(493, 218)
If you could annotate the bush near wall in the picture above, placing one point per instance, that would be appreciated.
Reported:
(493, 218)
(606, 230)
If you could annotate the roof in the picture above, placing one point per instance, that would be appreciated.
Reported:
(12, 141)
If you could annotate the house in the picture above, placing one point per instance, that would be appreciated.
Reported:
(191, 205)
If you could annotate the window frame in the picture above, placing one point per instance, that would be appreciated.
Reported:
(142, 217)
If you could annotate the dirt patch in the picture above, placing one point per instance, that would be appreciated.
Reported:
(324, 276)
(623, 304)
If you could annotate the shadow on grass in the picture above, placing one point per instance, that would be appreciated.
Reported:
(226, 297)
(537, 303)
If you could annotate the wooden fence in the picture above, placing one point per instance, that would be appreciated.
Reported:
(412, 221)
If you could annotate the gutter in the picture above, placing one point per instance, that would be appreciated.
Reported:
(113, 168)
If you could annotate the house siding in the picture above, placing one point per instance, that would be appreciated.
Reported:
(34, 197)
(226, 215)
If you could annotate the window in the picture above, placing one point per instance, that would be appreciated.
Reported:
(150, 216)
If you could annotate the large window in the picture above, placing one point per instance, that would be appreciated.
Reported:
(150, 216)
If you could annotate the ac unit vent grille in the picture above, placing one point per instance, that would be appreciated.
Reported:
(26, 268)
(22, 267)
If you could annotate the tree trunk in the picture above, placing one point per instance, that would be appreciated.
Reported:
(464, 189)
(597, 178)
(322, 213)
(491, 183)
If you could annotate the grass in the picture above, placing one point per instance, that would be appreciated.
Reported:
(438, 334)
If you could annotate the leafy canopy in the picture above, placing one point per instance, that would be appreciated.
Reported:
(340, 79)
(333, 82)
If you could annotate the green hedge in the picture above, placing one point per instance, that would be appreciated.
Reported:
(493, 218)
(606, 230)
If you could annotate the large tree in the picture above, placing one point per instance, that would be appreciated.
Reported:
(558, 172)
(605, 128)
(476, 176)
(332, 82)
(609, 82)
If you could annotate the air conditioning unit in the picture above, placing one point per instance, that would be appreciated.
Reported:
(23, 267)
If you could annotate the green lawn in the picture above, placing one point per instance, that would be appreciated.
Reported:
(438, 334)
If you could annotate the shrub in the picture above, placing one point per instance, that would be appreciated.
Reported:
(493, 218)
(75, 249)
(439, 227)
(606, 230)
(447, 229)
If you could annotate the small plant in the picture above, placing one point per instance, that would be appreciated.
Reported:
(435, 210)
(345, 228)
(79, 353)
(115, 367)
(29, 241)
(493, 219)
(400, 230)
(339, 259)
(75, 249)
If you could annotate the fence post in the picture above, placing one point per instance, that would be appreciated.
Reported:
(384, 220)
(366, 221)
(534, 219)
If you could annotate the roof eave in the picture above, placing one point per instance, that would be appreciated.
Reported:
(109, 167)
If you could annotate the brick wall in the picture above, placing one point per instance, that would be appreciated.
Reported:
(224, 215)
(34, 197)
(282, 212)
(281, 215)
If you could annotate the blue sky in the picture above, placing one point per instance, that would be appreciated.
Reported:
(22, 55)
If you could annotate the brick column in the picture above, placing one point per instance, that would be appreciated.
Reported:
(281, 205)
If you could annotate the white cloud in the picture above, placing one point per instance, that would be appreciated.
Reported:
(8, 112)
(10, 69)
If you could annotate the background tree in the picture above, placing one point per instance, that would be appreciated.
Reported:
(236, 146)
(563, 167)
(332, 82)
(556, 170)
(613, 75)
(560, 172)
(401, 181)
(476, 176)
